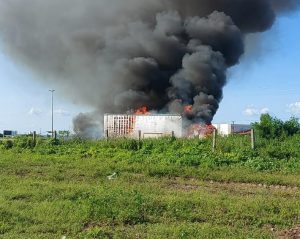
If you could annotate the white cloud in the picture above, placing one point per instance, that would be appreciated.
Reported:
(62, 112)
(252, 111)
(294, 108)
(264, 111)
(35, 111)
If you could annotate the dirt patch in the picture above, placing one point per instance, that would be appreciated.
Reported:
(253, 186)
(293, 233)
(194, 184)
(183, 187)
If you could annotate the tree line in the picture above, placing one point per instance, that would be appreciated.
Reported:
(271, 127)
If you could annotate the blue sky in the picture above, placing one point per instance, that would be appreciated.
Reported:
(268, 82)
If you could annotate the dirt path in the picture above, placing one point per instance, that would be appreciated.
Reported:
(237, 188)
(293, 233)
(194, 184)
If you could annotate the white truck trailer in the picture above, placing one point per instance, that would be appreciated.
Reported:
(142, 126)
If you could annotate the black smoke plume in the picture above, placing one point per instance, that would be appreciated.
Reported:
(119, 55)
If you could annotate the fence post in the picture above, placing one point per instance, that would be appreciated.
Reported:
(214, 146)
(140, 138)
(173, 134)
(34, 137)
(253, 139)
(106, 134)
(55, 135)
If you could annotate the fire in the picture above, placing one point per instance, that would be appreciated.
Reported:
(142, 111)
(200, 130)
(188, 109)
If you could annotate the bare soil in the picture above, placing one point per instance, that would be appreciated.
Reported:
(293, 233)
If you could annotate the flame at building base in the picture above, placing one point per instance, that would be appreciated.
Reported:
(199, 130)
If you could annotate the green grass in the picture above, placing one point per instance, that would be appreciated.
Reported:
(163, 189)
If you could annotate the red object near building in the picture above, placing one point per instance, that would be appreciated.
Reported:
(200, 130)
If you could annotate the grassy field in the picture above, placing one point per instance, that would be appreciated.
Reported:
(158, 188)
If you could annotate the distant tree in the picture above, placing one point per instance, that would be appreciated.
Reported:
(270, 127)
(291, 126)
(266, 127)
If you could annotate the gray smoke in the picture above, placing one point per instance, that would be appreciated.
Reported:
(91, 127)
(119, 55)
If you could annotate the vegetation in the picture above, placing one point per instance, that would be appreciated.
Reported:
(271, 128)
(167, 188)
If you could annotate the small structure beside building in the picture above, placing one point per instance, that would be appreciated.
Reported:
(142, 126)
(228, 129)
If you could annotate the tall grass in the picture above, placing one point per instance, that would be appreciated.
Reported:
(233, 151)
(160, 188)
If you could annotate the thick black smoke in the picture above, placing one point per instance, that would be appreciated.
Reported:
(119, 55)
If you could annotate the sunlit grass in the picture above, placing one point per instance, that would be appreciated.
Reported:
(160, 189)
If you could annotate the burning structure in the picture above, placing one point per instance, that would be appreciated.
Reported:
(113, 56)
(143, 125)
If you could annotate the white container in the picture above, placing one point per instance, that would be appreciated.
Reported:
(228, 129)
(144, 126)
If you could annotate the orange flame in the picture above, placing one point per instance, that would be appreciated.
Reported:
(201, 130)
(188, 109)
(142, 111)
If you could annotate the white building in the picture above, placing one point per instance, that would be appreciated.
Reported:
(228, 129)
(143, 126)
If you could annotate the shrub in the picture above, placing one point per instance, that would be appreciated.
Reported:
(130, 144)
(24, 142)
(8, 144)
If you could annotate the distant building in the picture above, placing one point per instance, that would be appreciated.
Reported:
(9, 133)
(228, 129)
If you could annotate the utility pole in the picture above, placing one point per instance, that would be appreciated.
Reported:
(52, 122)
(232, 127)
